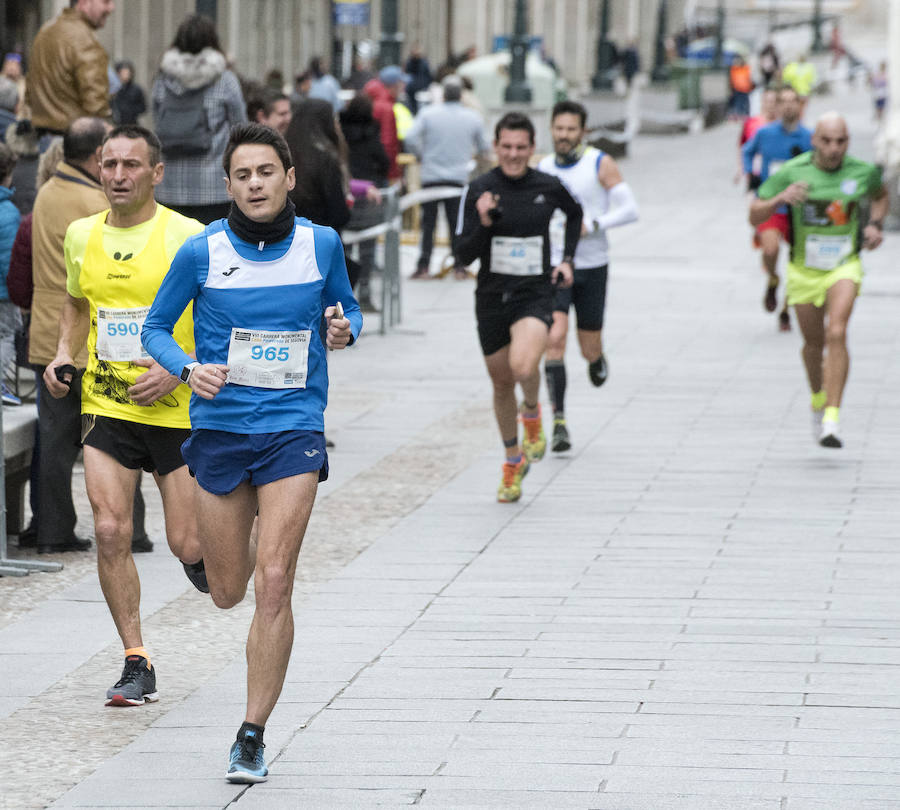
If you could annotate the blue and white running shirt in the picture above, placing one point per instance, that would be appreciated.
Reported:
(266, 303)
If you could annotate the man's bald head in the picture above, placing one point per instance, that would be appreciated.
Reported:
(832, 121)
(82, 142)
(830, 140)
(83, 138)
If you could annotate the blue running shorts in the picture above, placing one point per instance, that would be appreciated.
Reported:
(220, 460)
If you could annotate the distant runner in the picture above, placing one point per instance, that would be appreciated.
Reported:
(594, 179)
(504, 222)
(824, 189)
(774, 144)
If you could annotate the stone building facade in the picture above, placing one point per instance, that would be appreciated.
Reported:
(263, 34)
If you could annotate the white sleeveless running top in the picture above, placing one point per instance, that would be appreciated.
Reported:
(581, 180)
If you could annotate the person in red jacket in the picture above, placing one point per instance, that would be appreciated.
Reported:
(384, 91)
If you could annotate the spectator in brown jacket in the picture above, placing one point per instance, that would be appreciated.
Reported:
(71, 193)
(67, 76)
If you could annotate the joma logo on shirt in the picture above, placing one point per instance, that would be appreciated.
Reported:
(230, 270)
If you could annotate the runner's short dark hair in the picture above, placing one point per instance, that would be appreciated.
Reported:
(134, 132)
(566, 107)
(256, 133)
(515, 120)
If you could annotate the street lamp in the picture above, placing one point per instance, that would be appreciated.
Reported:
(389, 44)
(660, 69)
(720, 33)
(818, 45)
(518, 90)
(602, 79)
(208, 8)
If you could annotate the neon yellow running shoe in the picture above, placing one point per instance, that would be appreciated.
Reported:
(510, 488)
(534, 442)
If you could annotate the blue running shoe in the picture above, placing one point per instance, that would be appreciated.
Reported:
(136, 686)
(246, 764)
(9, 398)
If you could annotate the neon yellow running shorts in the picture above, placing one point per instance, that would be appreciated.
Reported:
(805, 286)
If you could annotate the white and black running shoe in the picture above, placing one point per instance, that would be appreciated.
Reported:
(598, 371)
(829, 435)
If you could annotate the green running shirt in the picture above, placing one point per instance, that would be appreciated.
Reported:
(825, 228)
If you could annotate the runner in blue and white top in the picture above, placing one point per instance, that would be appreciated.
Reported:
(250, 305)
(594, 179)
(270, 293)
(775, 144)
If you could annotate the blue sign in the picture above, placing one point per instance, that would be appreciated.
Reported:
(353, 12)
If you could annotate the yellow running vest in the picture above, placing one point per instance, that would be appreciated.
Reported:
(120, 292)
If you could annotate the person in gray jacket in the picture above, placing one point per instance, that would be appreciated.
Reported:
(445, 137)
(196, 101)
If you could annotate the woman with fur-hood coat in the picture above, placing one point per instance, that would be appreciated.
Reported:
(23, 140)
(195, 64)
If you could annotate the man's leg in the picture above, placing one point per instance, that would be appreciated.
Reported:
(811, 320)
(555, 373)
(591, 343)
(429, 220)
(59, 425)
(284, 509)
(839, 306)
(451, 210)
(224, 523)
(770, 242)
(812, 326)
(506, 410)
(110, 489)
(140, 542)
(528, 342)
(554, 361)
(589, 298)
(178, 491)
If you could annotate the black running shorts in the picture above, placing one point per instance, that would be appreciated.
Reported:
(133, 445)
(497, 312)
(588, 294)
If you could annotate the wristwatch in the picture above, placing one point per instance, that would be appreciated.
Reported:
(186, 371)
(568, 260)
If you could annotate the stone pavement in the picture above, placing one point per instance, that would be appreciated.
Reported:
(695, 608)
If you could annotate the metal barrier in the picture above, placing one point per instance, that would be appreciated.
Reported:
(390, 228)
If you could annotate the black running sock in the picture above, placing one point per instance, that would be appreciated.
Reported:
(251, 727)
(555, 371)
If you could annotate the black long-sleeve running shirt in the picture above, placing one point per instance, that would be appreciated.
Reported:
(527, 203)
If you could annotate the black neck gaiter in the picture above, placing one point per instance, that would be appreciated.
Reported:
(262, 232)
(571, 158)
